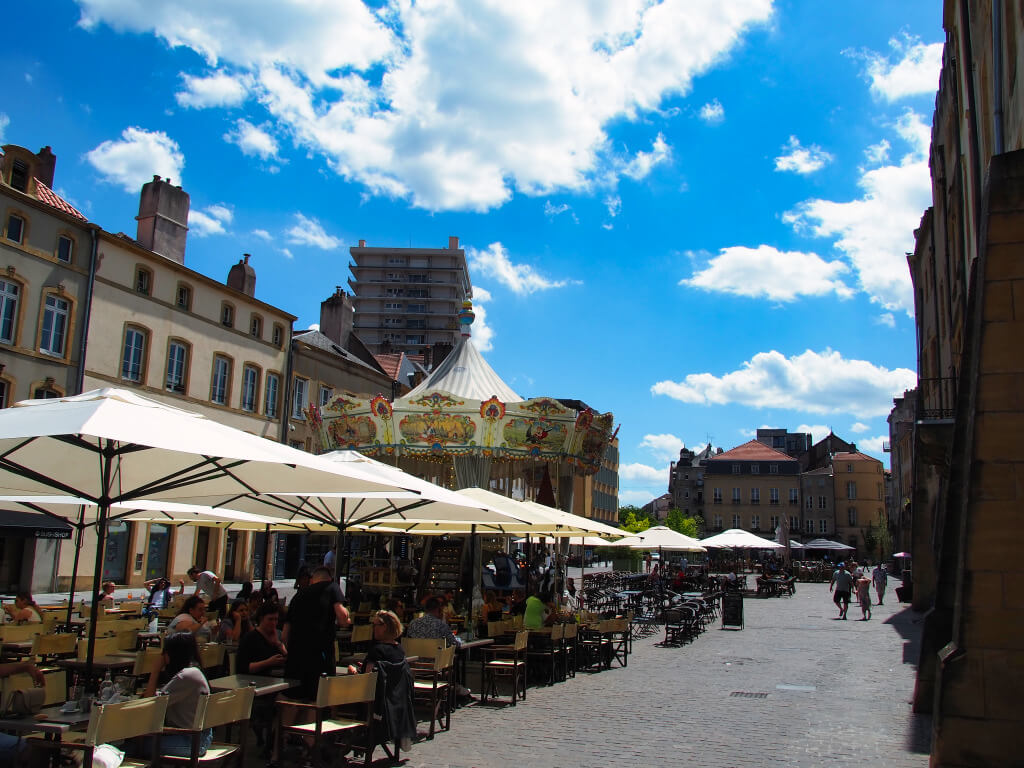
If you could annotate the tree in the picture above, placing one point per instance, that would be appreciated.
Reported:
(629, 510)
(870, 539)
(634, 525)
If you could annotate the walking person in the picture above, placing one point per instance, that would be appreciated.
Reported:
(842, 583)
(314, 616)
(880, 578)
(209, 584)
(863, 586)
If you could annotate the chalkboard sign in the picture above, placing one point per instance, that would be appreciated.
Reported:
(732, 610)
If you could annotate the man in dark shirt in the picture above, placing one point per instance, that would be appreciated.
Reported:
(314, 615)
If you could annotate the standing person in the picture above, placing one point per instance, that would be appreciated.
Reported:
(314, 616)
(647, 562)
(209, 584)
(842, 583)
(880, 579)
(864, 597)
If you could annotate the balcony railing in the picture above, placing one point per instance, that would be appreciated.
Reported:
(936, 399)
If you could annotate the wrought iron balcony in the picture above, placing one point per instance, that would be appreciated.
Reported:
(936, 399)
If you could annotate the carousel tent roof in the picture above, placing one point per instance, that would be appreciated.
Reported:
(464, 373)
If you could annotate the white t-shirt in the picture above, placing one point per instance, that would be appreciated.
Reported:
(208, 584)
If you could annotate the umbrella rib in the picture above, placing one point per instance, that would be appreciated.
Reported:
(49, 482)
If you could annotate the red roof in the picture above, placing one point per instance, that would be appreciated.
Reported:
(46, 195)
(752, 451)
(391, 362)
(858, 456)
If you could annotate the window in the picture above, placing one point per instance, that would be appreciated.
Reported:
(177, 367)
(19, 176)
(773, 522)
(65, 248)
(9, 293)
(755, 495)
(256, 327)
(735, 469)
(183, 297)
(773, 496)
(809, 526)
(718, 522)
(45, 392)
(417, 308)
(717, 493)
(755, 469)
(250, 387)
(298, 398)
(270, 399)
(277, 338)
(15, 228)
(823, 525)
(4, 393)
(735, 521)
(221, 382)
(143, 281)
(773, 469)
(393, 305)
(55, 325)
(849, 467)
(823, 502)
(755, 522)
(392, 321)
(325, 396)
(133, 358)
(793, 496)
(735, 495)
(417, 339)
(851, 489)
(794, 523)
(227, 315)
(810, 502)
(851, 516)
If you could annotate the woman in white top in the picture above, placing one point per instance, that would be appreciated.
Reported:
(184, 683)
(24, 610)
(192, 619)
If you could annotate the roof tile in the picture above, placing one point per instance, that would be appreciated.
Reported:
(752, 451)
(46, 195)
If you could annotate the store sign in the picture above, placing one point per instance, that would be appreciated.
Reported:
(52, 533)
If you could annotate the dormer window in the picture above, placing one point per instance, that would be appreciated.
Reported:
(183, 297)
(143, 281)
(227, 315)
(256, 327)
(65, 249)
(15, 228)
(19, 176)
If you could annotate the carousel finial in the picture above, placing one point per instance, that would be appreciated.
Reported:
(466, 317)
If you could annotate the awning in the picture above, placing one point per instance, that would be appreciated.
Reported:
(32, 525)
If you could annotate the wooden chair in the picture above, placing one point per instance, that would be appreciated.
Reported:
(570, 641)
(616, 633)
(104, 647)
(49, 647)
(358, 691)
(506, 661)
(131, 607)
(55, 687)
(127, 639)
(433, 678)
(547, 649)
(19, 633)
(218, 709)
(111, 723)
(211, 655)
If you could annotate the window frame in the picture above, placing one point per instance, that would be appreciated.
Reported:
(5, 299)
(143, 282)
(139, 350)
(183, 286)
(277, 335)
(276, 378)
(185, 365)
(44, 311)
(62, 238)
(227, 314)
(23, 229)
(296, 408)
(255, 370)
(256, 325)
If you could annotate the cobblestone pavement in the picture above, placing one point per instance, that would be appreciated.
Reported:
(836, 693)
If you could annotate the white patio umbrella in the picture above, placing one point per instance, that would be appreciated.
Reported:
(737, 538)
(834, 546)
(662, 537)
(111, 446)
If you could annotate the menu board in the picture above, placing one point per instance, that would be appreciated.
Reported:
(732, 610)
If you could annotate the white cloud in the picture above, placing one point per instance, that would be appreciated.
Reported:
(877, 230)
(520, 278)
(815, 382)
(287, 254)
(613, 204)
(387, 98)
(136, 157)
(252, 140)
(872, 445)
(309, 231)
(767, 272)
(262, 234)
(886, 318)
(915, 72)
(802, 160)
(211, 221)
(712, 112)
(217, 90)
(631, 498)
(483, 334)
(878, 153)
(551, 210)
(859, 427)
(644, 162)
(664, 446)
(818, 431)
(4, 122)
(643, 474)
(314, 327)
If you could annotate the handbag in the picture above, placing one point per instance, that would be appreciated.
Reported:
(26, 702)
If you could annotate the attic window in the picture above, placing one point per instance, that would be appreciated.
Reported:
(19, 176)
(227, 315)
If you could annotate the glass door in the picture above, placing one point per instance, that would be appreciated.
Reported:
(115, 553)
(156, 551)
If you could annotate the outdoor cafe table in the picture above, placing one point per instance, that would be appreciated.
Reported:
(100, 665)
(462, 654)
(17, 649)
(264, 685)
(50, 721)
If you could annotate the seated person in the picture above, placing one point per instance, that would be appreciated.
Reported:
(192, 619)
(236, 624)
(184, 682)
(432, 624)
(538, 609)
(261, 649)
(13, 748)
(24, 610)
(517, 605)
(160, 594)
(491, 609)
(105, 597)
(267, 592)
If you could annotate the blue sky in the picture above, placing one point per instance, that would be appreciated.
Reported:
(693, 214)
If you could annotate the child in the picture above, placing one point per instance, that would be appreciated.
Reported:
(864, 597)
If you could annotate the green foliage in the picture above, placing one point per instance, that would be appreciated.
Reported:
(627, 510)
(688, 526)
(634, 525)
(871, 540)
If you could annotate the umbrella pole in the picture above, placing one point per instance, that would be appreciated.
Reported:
(107, 457)
(583, 573)
(74, 566)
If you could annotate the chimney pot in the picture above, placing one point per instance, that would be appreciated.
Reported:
(362, 243)
(246, 259)
(453, 243)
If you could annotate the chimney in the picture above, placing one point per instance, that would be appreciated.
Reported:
(362, 243)
(163, 219)
(453, 243)
(242, 277)
(336, 317)
(426, 357)
(45, 165)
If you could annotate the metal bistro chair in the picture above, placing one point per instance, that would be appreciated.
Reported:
(616, 633)
(114, 722)
(359, 691)
(105, 646)
(433, 679)
(218, 709)
(547, 649)
(55, 689)
(506, 661)
(570, 644)
(49, 647)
